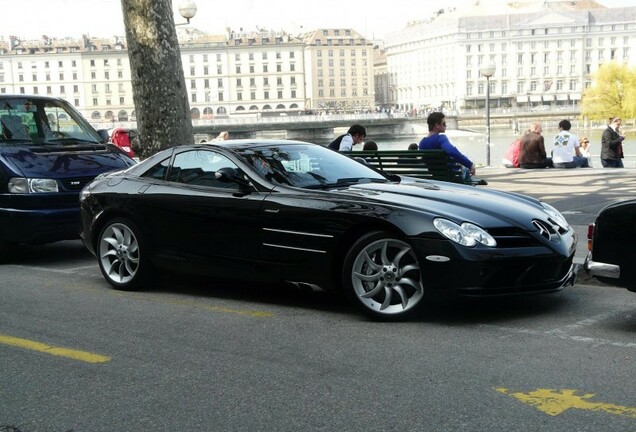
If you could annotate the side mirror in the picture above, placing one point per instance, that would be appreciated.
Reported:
(231, 175)
(103, 134)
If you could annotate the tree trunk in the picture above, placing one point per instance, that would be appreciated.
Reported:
(159, 91)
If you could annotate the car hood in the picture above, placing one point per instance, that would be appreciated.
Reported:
(59, 162)
(486, 207)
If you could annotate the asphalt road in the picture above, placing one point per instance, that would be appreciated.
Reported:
(191, 355)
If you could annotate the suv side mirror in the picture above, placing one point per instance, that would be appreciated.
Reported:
(103, 133)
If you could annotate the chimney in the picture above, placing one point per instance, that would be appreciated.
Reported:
(13, 42)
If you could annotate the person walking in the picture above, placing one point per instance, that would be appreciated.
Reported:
(532, 154)
(566, 152)
(612, 145)
(436, 139)
(344, 143)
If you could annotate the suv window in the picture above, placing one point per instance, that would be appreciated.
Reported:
(41, 121)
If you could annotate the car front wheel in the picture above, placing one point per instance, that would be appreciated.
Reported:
(382, 276)
(121, 255)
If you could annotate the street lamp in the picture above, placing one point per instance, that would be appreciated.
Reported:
(187, 9)
(487, 72)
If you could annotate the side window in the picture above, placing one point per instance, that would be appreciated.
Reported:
(158, 171)
(197, 167)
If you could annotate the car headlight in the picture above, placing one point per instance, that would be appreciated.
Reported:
(21, 185)
(466, 234)
(556, 216)
(85, 193)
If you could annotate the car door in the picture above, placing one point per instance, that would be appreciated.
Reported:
(197, 218)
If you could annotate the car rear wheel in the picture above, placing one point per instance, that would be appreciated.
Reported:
(121, 254)
(381, 275)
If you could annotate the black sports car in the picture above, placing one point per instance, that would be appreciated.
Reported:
(299, 212)
(611, 245)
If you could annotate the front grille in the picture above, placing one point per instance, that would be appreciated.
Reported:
(76, 183)
(513, 238)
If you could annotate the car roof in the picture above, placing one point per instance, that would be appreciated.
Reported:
(28, 96)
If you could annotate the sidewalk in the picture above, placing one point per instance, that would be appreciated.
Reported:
(578, 193)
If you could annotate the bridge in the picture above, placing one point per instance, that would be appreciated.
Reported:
(321, 128)
(307, 127)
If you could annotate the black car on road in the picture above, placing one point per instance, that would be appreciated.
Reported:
(611, 238)
(277, 210)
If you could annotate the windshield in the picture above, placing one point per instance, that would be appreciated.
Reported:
(39, 121)
(307, 166)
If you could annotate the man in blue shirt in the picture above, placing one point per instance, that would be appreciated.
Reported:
(436, 139)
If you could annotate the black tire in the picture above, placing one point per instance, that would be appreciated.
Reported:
(381, 276)
(123, 256)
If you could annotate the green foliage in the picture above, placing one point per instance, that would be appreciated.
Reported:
(612, 93)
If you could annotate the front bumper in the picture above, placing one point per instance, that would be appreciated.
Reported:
(501, 272)
(39, 226)
(601, 269)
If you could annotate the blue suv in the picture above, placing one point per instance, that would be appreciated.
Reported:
(48, 152)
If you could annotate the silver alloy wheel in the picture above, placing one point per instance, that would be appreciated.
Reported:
(119, 253)
(386, 277)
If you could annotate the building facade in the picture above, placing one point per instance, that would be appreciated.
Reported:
(545, 55)
(339, 71)
(246, 73)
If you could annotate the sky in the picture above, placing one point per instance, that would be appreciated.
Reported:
(30, 19)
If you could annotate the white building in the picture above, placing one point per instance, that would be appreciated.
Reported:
(544, 53)
(240, 73)
(339, 70)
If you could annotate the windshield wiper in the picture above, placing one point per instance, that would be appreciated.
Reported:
(16, 140)
(70, 140)
(343, 182)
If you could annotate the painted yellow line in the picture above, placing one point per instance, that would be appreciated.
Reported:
(554, 402)
(53, 350)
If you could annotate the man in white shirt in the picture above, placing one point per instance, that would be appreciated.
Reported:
(344, 143)
(566, 152)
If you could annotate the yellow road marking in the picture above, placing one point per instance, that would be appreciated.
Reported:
(53, 350)
(554, 402)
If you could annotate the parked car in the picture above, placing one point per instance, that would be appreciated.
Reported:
(121, 138)
(48, 152)
(611, 258)
(269, 210)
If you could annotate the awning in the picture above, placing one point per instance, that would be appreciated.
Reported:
(562, 97)
(548, 98)
(535, 98)
(522, 98)
(575, 96)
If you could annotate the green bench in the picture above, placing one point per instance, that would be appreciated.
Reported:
(423, 164)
